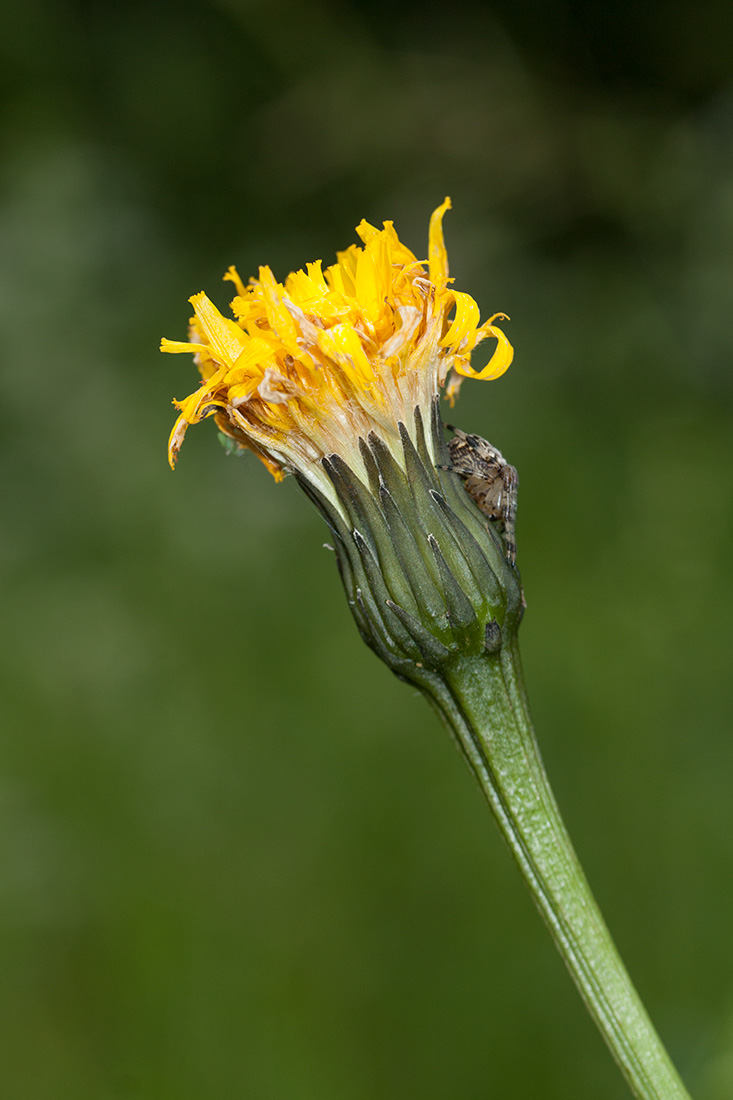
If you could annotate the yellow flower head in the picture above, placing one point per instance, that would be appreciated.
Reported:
(309, 366)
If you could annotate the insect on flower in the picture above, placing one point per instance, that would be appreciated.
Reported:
(488, 479)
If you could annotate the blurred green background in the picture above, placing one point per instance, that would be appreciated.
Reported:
(238, 859)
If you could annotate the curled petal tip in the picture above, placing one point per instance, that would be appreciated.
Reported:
(500, 361)
(175, 440)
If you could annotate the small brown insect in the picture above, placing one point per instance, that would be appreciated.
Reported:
(488, 479)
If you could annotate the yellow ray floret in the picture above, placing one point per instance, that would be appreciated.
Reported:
(309, 366)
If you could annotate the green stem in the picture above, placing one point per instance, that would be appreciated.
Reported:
(484, 704)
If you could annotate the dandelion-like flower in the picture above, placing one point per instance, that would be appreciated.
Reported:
(309, 367)
(334, 376)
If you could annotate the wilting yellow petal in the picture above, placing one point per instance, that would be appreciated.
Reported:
(373, 276)
(278, 316)
(252, 360)
(464, 322)
(366, 231)
(400, 253)
(344, 347)
(226, 339)
(348, 261)
(232, 276)
(179, 346)
(175, 439)
(499, 362)
(437, 255)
